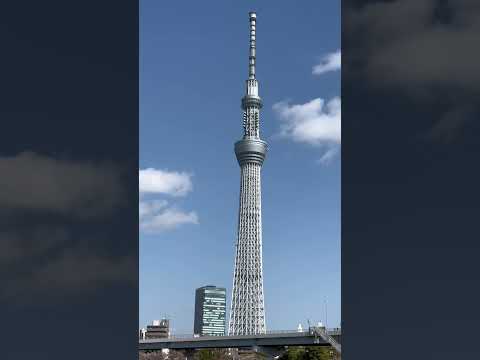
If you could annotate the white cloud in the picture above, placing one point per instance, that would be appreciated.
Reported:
(165, 219)
(315, 123)
(156, 214)
(164, 182)
(329, 62)
(148, 208)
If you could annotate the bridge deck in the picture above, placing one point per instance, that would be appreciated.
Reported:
(240, 341)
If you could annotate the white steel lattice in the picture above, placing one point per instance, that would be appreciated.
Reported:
(247, 315)
(247, 312)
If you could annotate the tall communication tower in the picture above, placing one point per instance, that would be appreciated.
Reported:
(247, 313)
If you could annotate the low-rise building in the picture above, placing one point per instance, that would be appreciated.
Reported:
(158, 329)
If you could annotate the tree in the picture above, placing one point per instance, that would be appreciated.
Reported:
(155, 355)
(212, 354)
(309, 353)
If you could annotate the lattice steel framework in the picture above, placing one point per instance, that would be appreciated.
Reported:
(247, 312)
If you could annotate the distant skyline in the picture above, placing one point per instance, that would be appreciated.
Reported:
(193, 67)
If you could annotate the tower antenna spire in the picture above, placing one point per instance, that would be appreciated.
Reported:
(252, 56)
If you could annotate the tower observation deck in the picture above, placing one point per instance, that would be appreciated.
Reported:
(247, 312)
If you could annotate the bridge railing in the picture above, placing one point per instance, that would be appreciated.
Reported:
(181, 336)
(273, 332)
(332, 331)
(189, 336)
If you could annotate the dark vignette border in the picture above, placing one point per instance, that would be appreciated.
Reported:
(410, 176)
(69, 179)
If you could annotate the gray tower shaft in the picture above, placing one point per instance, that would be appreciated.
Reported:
(247, 312)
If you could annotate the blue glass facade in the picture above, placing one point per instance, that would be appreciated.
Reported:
(210, 311)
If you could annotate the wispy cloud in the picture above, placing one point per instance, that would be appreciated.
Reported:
(317, 123)
(329, 62)
(148, 208)
(329, 155)
(164, 182)
(157, 214)
(156, 220)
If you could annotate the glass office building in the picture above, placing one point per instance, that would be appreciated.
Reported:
(210, 311)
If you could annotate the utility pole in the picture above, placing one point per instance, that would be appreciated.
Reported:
(325, 301)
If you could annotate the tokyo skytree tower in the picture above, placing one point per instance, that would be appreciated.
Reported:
(247, 312)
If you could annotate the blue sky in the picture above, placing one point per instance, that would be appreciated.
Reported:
(193, 67)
